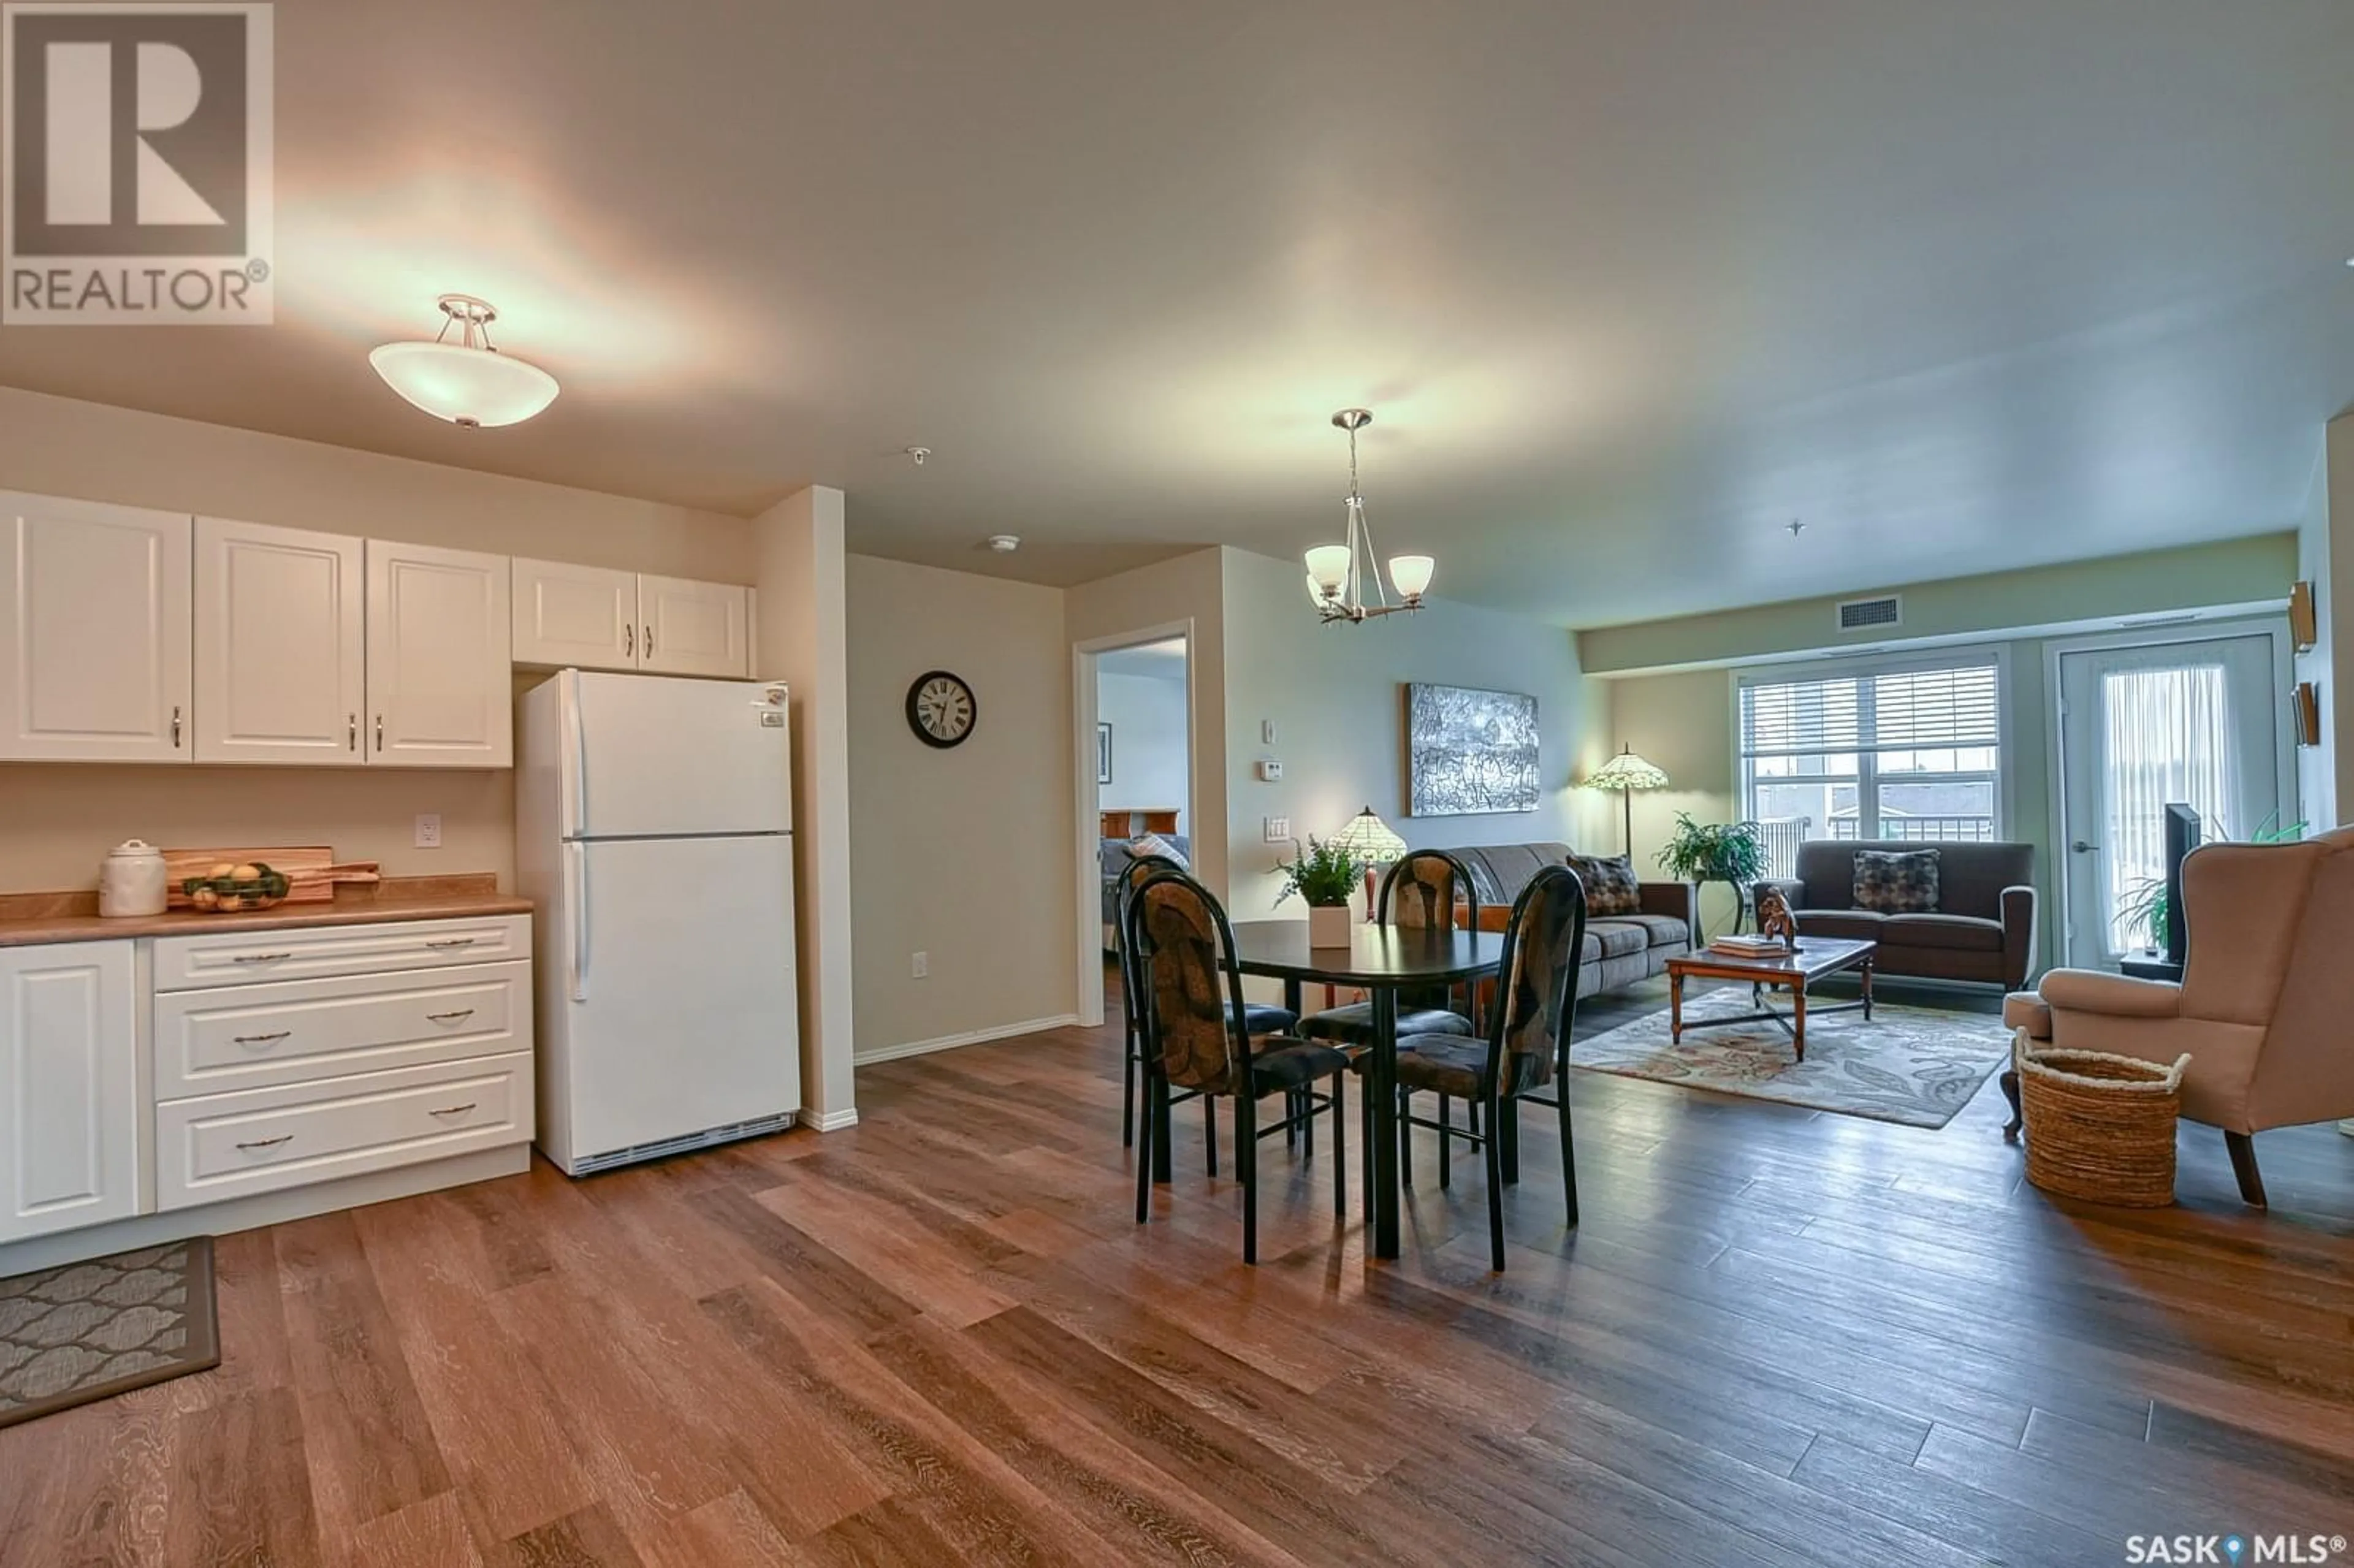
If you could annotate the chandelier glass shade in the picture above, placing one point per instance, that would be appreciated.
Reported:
(1344, 580)
(469, 383)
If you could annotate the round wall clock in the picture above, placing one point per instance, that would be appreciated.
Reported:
(941, 709)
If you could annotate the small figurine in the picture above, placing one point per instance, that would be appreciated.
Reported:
(1775, 919)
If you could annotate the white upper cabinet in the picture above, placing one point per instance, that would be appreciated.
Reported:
(69, 1057)
(439, 693)
(582, 617)
(693, 628)
(94, 651)
(280, 645)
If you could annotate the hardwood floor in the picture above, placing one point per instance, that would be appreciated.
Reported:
(1778, 1338)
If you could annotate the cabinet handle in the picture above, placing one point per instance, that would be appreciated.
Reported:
(379, 733)
(269, 1143)
(351, 732)
(463, 1012)
(176, 726)
(453, 1111)
(649, 641)
(630, 641)
(262, 1038)
(259, 958)
(453, 942)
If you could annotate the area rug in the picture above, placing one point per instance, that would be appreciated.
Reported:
(1914, 1065)
(87, 1330)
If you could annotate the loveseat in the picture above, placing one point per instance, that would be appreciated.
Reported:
(1982, 929)
(1619, 948)
(1112, 856)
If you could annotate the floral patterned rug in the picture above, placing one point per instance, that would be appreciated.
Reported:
(1914, 1065)
(84, 1330)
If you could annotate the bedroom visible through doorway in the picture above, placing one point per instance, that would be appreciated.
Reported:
(1142, 769)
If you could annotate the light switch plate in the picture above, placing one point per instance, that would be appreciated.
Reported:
(429, 829)
(1266, 732)
(1279, 829)
(921, 967)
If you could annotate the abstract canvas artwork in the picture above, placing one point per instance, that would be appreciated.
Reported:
(1469, 751)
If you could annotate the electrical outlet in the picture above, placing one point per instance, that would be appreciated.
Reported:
(921, 967)
(1270, 770)
(1279, 829)
(429, 829)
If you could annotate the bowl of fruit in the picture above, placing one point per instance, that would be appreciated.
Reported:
(228, 888)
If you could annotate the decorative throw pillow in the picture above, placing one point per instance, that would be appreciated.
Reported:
(1154, 844)
(1896, 881)
(1611, 887)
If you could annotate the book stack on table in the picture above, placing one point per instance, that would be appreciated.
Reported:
(1739, 947)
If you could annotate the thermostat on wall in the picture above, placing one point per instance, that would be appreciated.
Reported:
(1270, 770)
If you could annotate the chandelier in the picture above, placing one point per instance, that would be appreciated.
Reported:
(1340, 576)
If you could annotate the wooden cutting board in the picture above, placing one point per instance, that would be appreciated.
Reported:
(179, 865)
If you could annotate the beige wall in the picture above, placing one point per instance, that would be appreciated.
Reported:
(2237, 571)
(1683, 722)
(58, 819)
(964, 855)
(1337, 696)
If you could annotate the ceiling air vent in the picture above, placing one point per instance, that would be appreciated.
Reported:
(1869, 614)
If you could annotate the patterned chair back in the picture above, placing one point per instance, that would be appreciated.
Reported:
(1543, 943)
(1429, 888)
(1193, 994)
(1124, 887)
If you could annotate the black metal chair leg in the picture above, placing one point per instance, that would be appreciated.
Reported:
(1210, 1130)
(1568, 1151)
(1246, 1167)
(1306, 1099)
(1144, 1159)
(1291, 1114)
(1507, 1117)
(1127, 1091)
(1495, 1151)
(1339, 1148)
(1446, 1143)
(1406, 1138)
(1365, 1149)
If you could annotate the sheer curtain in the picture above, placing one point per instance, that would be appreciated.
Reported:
(2167, 736)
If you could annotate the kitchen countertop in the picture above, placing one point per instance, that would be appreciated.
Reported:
(29, 918)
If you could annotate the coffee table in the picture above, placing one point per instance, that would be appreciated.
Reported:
(1816, 957)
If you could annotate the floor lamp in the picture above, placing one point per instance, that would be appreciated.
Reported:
(1628, 773)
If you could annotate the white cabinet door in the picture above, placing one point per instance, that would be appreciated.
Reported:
(438, 627)
(688, 628)
(94, 651)
(280, 644)
(583, 617)
(69, 1057)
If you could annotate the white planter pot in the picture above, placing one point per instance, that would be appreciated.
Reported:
(1328, 926)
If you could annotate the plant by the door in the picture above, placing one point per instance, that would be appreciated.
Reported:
(2142, 908)
(1325, 874)
(1731, 853)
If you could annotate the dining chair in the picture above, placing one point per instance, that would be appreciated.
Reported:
(1197, 1040)
(1526, 1048)
(1260, 1018)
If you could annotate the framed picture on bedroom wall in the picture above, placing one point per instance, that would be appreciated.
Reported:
(1103, 754)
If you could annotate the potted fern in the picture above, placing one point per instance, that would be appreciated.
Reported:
(1731, 853)
(1325, 874)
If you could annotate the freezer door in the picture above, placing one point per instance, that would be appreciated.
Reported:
(647, 755)
(679, 1008)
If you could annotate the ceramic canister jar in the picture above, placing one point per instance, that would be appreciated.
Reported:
(131, 881)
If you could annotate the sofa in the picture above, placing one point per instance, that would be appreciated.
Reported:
(1112, 856)
(1983, 929)
(1619, 948)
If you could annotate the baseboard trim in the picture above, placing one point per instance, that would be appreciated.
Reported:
(830, 1121)
(969, 1037)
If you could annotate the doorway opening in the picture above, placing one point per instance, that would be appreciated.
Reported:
(1135, 795)
(2145, 724)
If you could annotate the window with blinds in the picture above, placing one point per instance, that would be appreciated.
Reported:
(1910, 752)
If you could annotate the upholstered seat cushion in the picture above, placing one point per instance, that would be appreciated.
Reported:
(1354, 1024)
(1444, 1065)
(1281, 1063)
(1962, 933)
(1614, 939)
(1265, 1018)
(1659, 931)
(1854, 925)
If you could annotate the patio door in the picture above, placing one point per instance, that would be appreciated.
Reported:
(2141, 728)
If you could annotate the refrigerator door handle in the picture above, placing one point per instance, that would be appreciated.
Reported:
(574, 766)
(576, 867)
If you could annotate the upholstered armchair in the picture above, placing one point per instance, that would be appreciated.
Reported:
(2265, 1006)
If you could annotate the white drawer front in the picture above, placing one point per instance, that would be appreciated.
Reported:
(290, 1032)
(257, 1140)
(249, 958)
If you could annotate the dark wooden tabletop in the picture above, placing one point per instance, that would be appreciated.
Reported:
(1375, 956)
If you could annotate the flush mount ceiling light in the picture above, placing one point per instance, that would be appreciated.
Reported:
(1338, 574)
(468, 383)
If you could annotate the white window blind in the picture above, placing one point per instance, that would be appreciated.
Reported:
(1904, 709)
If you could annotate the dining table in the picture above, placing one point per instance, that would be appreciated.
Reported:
(1381, 962)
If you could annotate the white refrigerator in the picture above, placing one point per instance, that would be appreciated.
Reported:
(653, 835)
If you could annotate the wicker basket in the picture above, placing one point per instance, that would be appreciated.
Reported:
(2101, 1128)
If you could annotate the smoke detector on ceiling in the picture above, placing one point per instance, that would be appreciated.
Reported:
(1005, 544)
